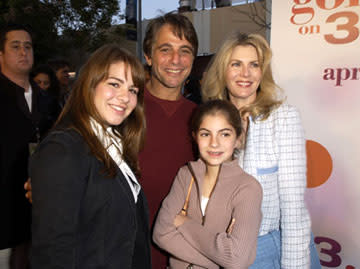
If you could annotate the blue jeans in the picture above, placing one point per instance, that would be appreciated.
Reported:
(268, 252)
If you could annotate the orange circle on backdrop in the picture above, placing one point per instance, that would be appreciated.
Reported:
(319, 164)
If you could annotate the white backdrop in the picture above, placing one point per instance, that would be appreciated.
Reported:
(316, 45)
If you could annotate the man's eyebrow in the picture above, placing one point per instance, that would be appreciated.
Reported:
(164, 45)
(169, 45)
(19, 42)
(187, 47)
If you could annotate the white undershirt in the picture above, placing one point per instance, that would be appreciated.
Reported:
(28, 98)
(204, 202)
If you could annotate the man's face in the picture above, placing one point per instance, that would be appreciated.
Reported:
(171, 59)
(63, 76)
(17, 56)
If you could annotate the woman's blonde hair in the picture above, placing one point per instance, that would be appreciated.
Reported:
(214, 85)
(80, 107)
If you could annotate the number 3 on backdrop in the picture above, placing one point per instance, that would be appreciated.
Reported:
(330, 249)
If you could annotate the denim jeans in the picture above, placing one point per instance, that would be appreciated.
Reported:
(268, 252)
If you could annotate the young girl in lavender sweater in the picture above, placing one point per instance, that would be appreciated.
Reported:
(212, 215)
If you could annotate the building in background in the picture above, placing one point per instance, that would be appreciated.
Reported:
(214, 25)
(215, 20)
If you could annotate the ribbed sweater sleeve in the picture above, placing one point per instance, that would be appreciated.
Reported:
(166, 235)
(238, 249)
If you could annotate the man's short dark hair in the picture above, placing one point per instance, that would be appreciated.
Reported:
(57, 64)
(181, 25)
(13, 27)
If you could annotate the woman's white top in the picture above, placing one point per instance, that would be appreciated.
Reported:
(275, 155)
(113, 146)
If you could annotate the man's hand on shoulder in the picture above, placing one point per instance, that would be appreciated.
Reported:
(27, 187)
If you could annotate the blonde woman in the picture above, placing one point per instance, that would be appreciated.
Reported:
(273, 148)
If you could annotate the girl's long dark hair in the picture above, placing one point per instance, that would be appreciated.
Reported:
(80, 107)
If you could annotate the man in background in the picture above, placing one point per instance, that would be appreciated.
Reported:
(20, 118)
(61, 69)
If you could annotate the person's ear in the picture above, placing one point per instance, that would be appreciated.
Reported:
(193, 134)
(148, 60)
(238, 143)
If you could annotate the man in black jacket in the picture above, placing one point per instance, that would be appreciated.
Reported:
(20, 120)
